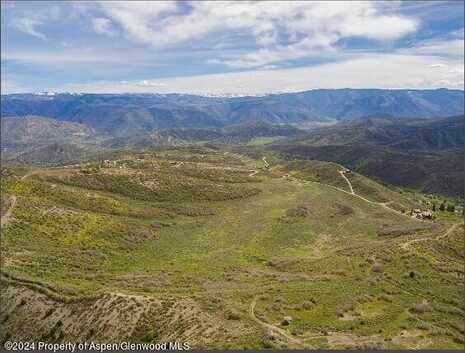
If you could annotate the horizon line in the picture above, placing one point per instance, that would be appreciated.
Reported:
(232, 95)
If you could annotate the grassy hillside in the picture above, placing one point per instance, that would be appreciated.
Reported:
(432, 172)
(23, 134)
(251, 133)
(225, 253)
(426, 155)
(396, 133)
(54, 154)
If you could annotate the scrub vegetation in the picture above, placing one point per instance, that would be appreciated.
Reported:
(222, 250)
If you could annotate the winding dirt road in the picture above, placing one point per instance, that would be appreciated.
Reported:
(254, 172)
(6, 218)
(353, 193)
(343, 172)
(283, 333)
(407, 244)
(266, 163)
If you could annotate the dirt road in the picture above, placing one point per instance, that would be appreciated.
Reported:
(6, 218)
(254, 172)
(407, 244)
(266, 163)
(294, 342)
(352, 192)
(342, 172)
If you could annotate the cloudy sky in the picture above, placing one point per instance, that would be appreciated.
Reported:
(230, 47)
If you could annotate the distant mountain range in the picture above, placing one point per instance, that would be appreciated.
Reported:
(133, 114)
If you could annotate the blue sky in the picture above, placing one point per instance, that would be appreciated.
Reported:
(230, 47)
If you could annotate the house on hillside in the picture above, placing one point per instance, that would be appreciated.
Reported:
(418, 213)
(108, 163)
(426, 215)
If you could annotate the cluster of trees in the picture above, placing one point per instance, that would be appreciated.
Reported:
(443, 207)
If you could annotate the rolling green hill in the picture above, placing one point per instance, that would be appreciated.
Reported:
(54, 154)
(426, 155)
(396, 133)
(221, 250)
(426, 171)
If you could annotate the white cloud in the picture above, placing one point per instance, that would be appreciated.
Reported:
(67, 56)
(138, 18)
(398, 71)
(454, 48)
(450, 45)
(103, 26)
(281, 30)
(11, 86)
(150, 39)
(145, 83)
(28, 25)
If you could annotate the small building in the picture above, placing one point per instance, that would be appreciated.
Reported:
(108, 163)
(420, 214)
(426, 215)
